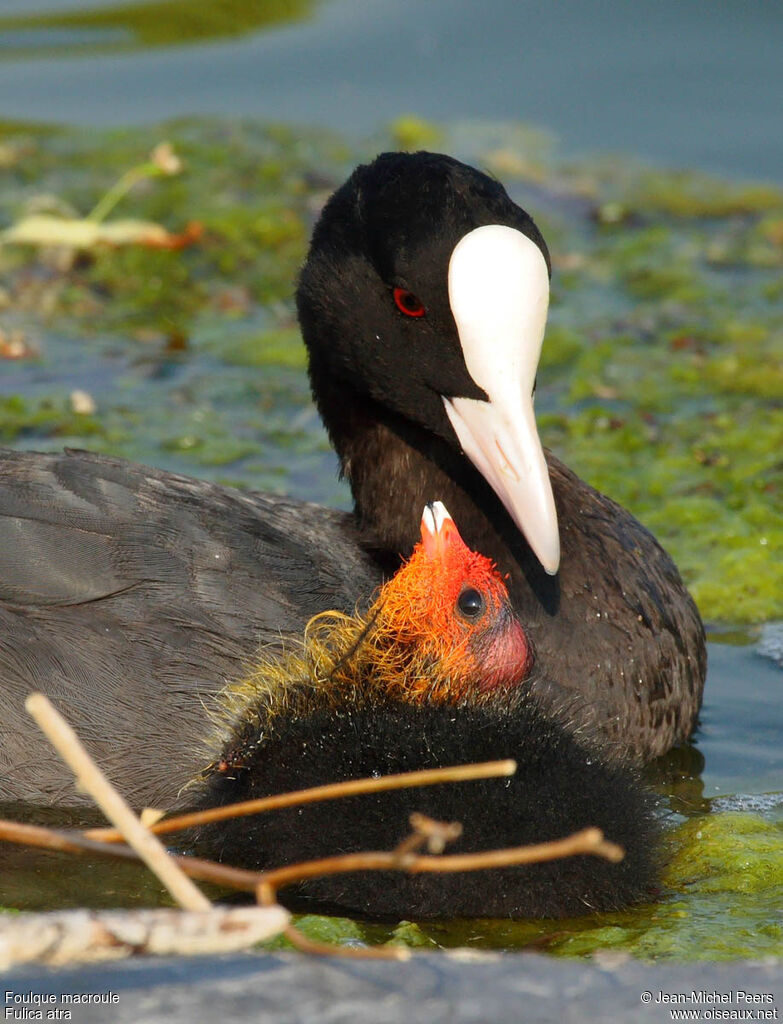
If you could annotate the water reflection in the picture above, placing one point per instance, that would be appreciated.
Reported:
(124, 26)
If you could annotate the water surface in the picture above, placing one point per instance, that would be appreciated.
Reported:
(697, 84)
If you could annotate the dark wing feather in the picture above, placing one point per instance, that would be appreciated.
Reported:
(128, 594)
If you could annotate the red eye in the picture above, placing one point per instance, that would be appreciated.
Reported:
(407, 302)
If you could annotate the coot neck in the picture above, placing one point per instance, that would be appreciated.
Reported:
(394, 467)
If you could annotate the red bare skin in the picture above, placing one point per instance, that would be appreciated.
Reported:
(477, 652)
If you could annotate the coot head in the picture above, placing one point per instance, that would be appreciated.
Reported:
(440, 631)
(424, 296)
(444, 621)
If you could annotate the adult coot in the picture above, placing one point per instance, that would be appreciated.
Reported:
(423, 304)
(124, 590)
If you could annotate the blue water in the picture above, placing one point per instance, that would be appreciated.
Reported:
(740, 732)
(693, 84)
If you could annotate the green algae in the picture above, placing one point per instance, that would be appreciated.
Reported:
(48, 418)
(721, 899)
(411, 133)
(152, 23)
(691, 195)
(280, 347)
(337, 931)
(729, 852)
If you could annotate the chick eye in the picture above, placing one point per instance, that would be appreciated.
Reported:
(408, 303)
(471, 604)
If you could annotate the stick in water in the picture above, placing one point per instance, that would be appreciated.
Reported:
(91, 778)
(331, 791)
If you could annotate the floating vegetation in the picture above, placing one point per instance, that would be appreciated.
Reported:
(128, 26)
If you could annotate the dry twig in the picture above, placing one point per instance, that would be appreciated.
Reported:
(91, 778)
(306, 945)
(332, 791)
(589, 840)
(74, 842)
(90, 935)
(426, 832)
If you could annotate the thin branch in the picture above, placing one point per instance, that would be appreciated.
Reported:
(75, 842)
(59, 840)
(590, 840)
(333, 791)
(265, 883)
(89, 776)
(306, 945)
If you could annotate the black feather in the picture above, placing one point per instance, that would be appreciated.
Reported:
(562, 784)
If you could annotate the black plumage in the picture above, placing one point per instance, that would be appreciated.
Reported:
(562, 784)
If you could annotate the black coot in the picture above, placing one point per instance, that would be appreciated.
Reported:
(423, 304)
(127, 593)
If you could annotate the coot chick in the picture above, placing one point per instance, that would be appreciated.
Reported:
(436, 675)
